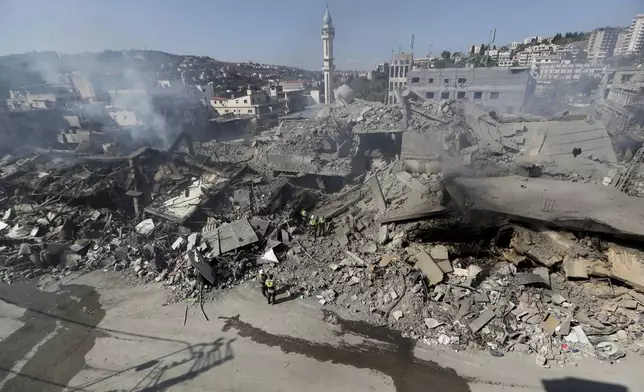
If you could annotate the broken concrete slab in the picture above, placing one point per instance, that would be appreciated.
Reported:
(421, 211)
(576, 268)
(180, 208)
(260, 225)
(481, 297)
(482, 320)
(445, 266)
(430, 269)
(432, 323)
(230, 236)
(145, 227)
(439, 252)
(526, 278)
(411, 182)
(386, 259)
(268, 257)
(570, 205)
(626, 265)
(397, 314)
(544, 273)
(383, 234)
(536, 245)
(550, 324)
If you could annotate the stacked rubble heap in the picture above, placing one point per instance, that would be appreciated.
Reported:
(451, 224)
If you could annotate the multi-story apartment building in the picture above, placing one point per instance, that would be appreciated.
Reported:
(513, 45)
(620, 89)
(505, 89)
(635, 37)
(567, 70)
(399, 66)
(601, 44)
(622, 42)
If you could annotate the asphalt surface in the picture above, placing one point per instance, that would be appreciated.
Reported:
(94, 333)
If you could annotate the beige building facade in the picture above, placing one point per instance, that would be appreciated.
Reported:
(254, 103)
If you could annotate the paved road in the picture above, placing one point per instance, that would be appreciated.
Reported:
(96, 334)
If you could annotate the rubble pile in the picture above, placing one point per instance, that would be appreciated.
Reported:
(430, 230)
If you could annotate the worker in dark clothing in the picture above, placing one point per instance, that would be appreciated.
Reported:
(262, 281)
(270, 289)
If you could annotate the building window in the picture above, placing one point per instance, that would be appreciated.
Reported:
(460, 95)
(237, 101)
(461, 80)
(445, 95)
(250, 110)
(391, 85)
(431, 80)
(478, 94)
(226, 110)
(429, 95)
(245, 101)
(415, 80)
(494, 95)
(446, 81)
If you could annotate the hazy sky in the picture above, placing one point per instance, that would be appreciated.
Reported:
(288, 31)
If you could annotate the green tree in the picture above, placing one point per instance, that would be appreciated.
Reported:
(446, 54)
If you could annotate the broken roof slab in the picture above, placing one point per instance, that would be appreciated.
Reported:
(189, 201)
(230, 236)
(572, 205)
(558, 138)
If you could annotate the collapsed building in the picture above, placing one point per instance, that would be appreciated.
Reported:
(457, 226)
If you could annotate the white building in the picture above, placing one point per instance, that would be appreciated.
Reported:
(622, 43)
(254, 103)
(399, 66)
(601, 44)
(513, 45)
(292, 85)
(328, 33)
(567, 70)
(635, 38)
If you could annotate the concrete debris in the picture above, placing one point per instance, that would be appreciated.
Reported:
(428, 216)
(609, 351)
(430, 269)
(432, 323)
(482, 320)
(145, 227)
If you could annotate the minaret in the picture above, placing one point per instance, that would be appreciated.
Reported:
(328, 33)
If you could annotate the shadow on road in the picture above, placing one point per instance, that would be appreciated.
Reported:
(287, 288)
(203, 358)
(44, 309)
(579, 385)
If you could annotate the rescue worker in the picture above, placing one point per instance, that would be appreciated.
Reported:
(270, 289)
(303, 215)
(321, 226)
(262, 281)
(313, 226)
